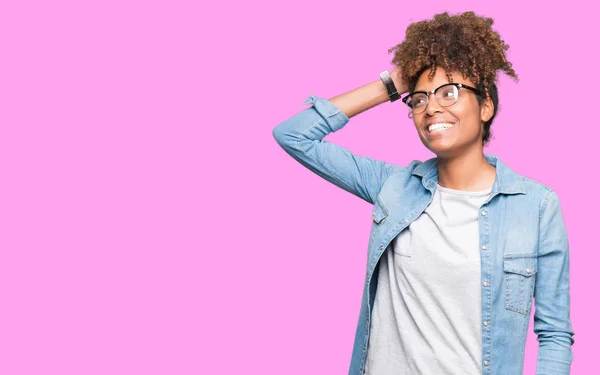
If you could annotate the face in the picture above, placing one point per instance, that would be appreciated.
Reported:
(450, 131)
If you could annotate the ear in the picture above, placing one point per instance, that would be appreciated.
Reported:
(487, 109)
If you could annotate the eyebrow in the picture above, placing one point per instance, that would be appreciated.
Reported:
(422, 90)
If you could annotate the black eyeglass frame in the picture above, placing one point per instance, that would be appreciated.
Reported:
(427, 94)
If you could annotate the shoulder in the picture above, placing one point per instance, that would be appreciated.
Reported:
(543, 195)
(535, 186)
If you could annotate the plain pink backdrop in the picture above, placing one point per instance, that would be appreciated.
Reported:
(149, 222)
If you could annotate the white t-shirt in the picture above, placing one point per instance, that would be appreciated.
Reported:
(427, 311)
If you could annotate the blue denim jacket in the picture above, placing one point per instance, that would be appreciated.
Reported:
(524, 246)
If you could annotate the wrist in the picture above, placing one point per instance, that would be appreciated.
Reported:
(400, 86)
(390, 86)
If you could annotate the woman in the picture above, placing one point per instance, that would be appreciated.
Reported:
(460, 244)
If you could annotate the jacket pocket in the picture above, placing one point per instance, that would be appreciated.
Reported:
(519, 278)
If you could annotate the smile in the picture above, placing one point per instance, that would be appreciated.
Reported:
(440, 126)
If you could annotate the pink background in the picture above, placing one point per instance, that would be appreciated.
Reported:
(149, 222)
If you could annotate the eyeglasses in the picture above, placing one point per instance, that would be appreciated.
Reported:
(446, 95)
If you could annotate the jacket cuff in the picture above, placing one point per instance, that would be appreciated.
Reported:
(335, 118)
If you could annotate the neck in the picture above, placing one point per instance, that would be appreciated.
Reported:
(469, 171)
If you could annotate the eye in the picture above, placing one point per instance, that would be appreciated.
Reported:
(448, 92)
(417, 100)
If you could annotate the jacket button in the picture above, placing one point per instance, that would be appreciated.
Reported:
(485, 324)
(484, 247)
(485, 283)
(527, 270)
(483, 213)
(486, 363)
(382, 248)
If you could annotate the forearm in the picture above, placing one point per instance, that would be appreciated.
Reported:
(361, 99)
(366, 97)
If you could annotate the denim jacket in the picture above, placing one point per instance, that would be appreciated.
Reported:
(523, 242)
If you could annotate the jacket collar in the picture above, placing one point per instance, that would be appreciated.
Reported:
(507, 181)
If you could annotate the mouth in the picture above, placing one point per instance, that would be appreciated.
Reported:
(439, 127)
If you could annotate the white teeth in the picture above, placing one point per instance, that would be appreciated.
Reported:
(440, 126)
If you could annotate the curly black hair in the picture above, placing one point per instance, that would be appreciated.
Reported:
(464, 43)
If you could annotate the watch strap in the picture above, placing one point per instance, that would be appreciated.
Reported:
(389, 85)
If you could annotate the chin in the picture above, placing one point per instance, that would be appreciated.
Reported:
(444, 151)
(443, 154)
(440, 148)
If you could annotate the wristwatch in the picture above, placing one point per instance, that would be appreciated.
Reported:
(389, 85)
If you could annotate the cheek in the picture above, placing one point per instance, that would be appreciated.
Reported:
(468, 117)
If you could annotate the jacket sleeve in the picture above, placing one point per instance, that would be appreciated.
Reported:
(552, 322)
(302, 135)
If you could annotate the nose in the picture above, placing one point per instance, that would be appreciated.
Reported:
(432, 105)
